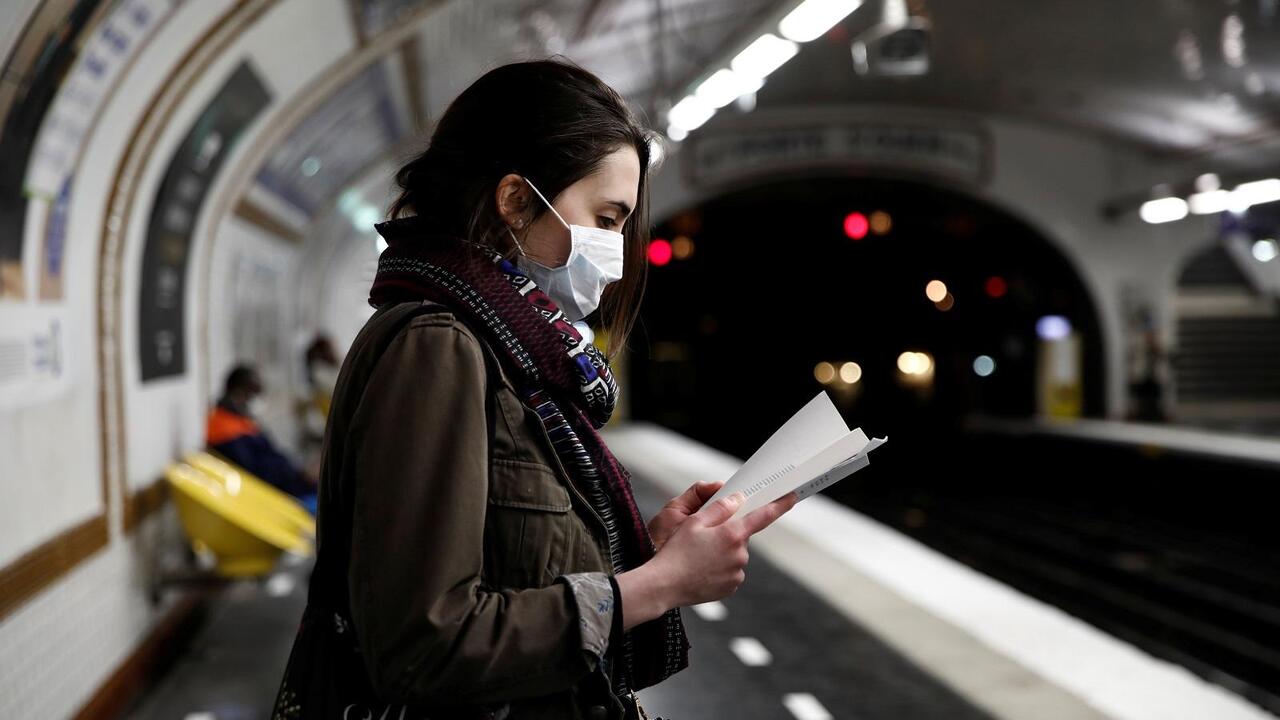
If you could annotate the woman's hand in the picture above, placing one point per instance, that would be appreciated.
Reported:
(675, 512)
(705, 559)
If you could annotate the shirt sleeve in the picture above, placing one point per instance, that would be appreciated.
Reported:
(596, 597)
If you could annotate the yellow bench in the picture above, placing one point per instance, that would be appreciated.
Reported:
(245, 536)
(239, 481)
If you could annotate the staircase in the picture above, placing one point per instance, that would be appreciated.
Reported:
(1227, 363)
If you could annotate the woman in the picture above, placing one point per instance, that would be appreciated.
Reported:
(480, 551)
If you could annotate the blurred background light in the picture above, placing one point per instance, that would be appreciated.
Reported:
(824, 372)
(1208, 182)
(682, 247)
(690, 113)
(1253, 193)
(856, 225)
(813, 18)
(768, 53)
(915, 363)
(996, 287)
(724, 86)
(659, 252)
(851, 372)
(365, 217)
(1053, 327)
(1209, 202)
(983, 366)
(1265, 250)
(881, 222)
(1163, 210)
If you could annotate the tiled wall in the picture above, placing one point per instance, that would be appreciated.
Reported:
(59, 648)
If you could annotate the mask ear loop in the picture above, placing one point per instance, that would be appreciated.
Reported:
(550, 207)
(516, 240)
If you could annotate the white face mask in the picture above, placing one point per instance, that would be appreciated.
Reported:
(595, 260)
(257, 407)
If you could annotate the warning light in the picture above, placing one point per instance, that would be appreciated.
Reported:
(851, 372)
(983, 366)
(659, 252)
(824, 372)
(682, 247)
(996, 287)
(1053, 327)
(881, 222)
(856, 225)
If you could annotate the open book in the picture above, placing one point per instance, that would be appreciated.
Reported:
(811, 451)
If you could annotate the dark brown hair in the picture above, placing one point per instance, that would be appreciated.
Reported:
(550, 121)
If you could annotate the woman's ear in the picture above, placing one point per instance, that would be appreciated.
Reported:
(512, 200)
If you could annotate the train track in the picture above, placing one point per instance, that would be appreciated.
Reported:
(1175, 555)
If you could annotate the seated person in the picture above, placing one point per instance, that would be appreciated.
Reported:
(233, 433)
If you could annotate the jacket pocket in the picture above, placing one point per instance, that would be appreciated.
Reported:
(529, 525)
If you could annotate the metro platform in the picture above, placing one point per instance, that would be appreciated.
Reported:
(840, 617)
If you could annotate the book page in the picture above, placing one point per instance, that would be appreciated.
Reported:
(839, 472)
(814, 427)
(833, 463)
(811, 451)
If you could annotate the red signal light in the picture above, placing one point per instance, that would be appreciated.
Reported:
(659, 252)
(856, 225)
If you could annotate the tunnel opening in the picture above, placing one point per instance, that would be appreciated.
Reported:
(764, 285)
(1121, 536)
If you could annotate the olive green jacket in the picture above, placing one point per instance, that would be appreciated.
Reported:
(478, 575)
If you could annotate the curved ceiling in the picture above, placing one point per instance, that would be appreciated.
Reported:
(1176, 77)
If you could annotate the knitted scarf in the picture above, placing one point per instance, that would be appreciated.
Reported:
(565, 380)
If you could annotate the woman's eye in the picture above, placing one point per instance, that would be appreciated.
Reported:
(606, 222)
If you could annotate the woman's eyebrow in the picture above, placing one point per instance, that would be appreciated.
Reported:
(625, 208)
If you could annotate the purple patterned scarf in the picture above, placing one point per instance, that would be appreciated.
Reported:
(565, 380)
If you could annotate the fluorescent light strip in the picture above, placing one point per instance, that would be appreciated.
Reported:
(1257, 192)
(724, 86)
(813, 18)
(1163, 210)
(1209, 202)
(766, 54)
(690, 113)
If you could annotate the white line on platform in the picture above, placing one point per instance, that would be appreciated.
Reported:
(280, 584)
(805, 707)
(751, 651)
(713, 611)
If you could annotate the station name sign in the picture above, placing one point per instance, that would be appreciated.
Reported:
(955, 153)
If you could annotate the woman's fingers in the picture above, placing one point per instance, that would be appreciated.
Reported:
(757, 520)
(721, 510)
(704, 490)
(690, 500)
